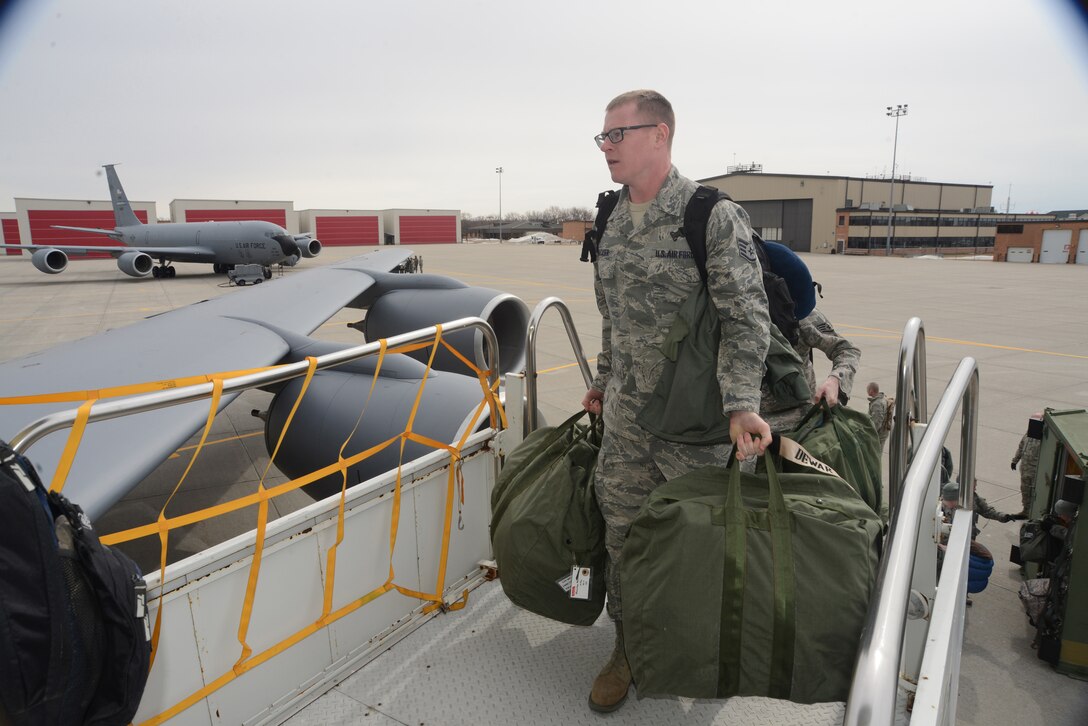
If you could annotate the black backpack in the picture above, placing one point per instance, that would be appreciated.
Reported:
(75, 641)
(696, 216)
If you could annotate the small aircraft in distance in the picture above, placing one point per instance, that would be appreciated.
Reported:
(222, 244)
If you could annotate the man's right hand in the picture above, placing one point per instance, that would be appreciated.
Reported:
(592, 401)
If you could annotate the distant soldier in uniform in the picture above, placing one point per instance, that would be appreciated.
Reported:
(817, 333)
(642, 275)
(1027, 455)
(879, 412)
(950, 502)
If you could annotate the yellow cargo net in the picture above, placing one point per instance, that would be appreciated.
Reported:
(164, 525)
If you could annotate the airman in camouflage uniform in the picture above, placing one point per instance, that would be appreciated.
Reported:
(644, 272)
(817, 333)
(1027, 455)
(878, 411)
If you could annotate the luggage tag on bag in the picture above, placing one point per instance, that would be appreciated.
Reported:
(576, 584)
(579, 585)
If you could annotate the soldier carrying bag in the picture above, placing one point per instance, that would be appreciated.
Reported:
(75, 642)
(547, 531)
(748, 584)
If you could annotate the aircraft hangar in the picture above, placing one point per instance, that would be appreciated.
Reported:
(9, 231)
(35, 219)
(218, 210)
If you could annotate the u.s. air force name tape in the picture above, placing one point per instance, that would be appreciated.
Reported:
(792, 451)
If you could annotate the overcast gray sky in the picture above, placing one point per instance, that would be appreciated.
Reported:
(413, 104)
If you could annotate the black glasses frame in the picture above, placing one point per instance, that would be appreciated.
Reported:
(616, 135)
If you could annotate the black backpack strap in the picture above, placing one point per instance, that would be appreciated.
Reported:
(606, 202)
(696, 217)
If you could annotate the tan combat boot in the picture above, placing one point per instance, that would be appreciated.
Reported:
(610, 688)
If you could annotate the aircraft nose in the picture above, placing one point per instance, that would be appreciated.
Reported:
(288, 245)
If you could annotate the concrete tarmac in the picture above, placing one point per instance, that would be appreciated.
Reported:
(1024, 324)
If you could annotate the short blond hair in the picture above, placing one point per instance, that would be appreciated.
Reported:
(650, 104)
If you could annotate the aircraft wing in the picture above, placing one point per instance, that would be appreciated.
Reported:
(174, 254)
(93, 230)
(222, 334)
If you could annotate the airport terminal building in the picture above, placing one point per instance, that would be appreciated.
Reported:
(850, 215)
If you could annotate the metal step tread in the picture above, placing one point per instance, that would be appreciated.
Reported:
(493, 663)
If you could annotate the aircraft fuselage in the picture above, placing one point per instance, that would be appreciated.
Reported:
(231, 243)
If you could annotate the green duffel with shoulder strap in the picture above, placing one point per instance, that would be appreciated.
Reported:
(845, 440)
(545, 523)
(738, 584)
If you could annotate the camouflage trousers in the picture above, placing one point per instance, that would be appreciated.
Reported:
(1027, 483)
(631, 465)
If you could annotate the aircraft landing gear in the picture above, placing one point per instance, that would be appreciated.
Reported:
(163, 271)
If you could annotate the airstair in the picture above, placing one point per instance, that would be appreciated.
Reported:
(379, 606)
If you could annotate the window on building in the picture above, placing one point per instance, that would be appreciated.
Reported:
(1010, 229)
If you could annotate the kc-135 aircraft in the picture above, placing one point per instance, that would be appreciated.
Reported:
(267, 325)
(222, 244)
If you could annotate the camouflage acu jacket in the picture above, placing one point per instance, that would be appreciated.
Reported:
(641, 277)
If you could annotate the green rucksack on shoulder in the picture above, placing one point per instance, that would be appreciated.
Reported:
(547, 532)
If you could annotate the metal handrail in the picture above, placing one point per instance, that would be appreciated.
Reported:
(876, 675)
(104, 410)
(912, 369)
(933, 704)
(530, 354)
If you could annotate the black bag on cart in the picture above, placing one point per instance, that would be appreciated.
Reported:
(545, 523)
(75, 642)
(739, 584)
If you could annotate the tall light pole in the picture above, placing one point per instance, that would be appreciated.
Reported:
(498, 170)
(900, 110)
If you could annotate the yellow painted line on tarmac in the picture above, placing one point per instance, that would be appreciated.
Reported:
(553, 369)
(519, 281)
(184, 449)
(971, 343)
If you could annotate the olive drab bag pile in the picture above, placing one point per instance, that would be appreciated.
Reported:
(748, 584)
(75, 641)
(547, 532)
(683, 406)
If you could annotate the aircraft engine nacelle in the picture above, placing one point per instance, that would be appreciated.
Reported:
(330, 410)
(51, 262)
(135, 264)
(404, 310)
(307, 245)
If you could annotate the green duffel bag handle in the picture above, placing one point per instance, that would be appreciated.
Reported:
(820, 408)
(730, 633)
(569, 428)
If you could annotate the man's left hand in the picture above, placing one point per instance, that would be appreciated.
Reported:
(829, 391)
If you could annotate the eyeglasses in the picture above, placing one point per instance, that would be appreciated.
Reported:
(616, 135)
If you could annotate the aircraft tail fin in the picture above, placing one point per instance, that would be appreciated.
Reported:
(122, 211)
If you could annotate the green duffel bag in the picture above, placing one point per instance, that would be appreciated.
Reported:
(545, 522)
(738, 584)
(845, 440)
